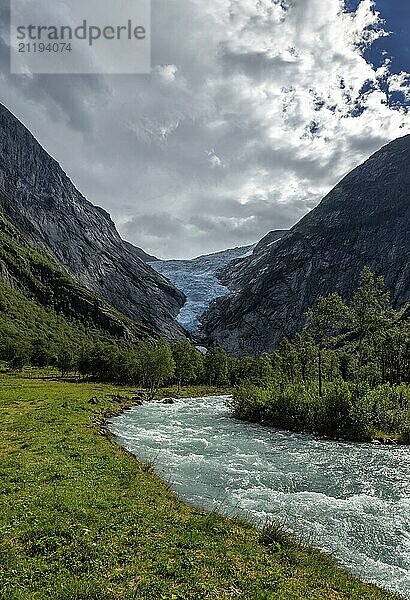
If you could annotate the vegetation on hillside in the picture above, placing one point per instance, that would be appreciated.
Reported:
(30, 334)
(35, 288)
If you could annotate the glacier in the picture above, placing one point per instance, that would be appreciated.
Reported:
(198, 279)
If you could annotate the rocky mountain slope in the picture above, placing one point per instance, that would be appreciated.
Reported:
(200, 280)
(39, 198)
(364, 220)
(31, 283)
(141, 254)
(232, 274)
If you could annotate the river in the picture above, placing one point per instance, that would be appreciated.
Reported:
(352, 500)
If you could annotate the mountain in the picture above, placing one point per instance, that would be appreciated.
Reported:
(39, 198)
(40, 300)
(364, 220)
(199, 279)
(232, 274)
(141, 254)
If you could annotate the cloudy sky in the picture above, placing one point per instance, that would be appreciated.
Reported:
(253, 111)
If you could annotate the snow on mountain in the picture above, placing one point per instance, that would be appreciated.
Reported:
(198, 279)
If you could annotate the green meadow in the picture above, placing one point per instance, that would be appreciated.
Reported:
(82, 519)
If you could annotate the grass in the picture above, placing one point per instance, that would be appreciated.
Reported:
(82, 519)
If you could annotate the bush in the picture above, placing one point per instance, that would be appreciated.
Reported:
(249, 403)
(290, 408)
(345, 410)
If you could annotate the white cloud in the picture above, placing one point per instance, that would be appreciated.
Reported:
(400, 83)
(214, 160)
(167, 73)
(255, 109)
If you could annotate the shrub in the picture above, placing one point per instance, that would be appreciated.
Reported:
(249, 402)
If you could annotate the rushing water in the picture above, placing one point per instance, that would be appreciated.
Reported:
(348, 499)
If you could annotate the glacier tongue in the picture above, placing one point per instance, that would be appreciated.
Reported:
(198, 279)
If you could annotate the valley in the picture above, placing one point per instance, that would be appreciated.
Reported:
(224, 374)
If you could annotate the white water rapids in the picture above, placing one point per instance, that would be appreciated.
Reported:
(352, 500)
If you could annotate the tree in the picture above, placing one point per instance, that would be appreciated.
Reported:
(188, 362)
(128, 368)
(370, 310)
(392, 351)
(288, 360)
(21, 357)
(217, 366)
(43, 353)
(306, 352)
(325, 320)
(85, 366)
(8, 347)
(157, 365)
(65, 360)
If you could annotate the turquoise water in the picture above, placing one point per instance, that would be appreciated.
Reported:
(348, 499)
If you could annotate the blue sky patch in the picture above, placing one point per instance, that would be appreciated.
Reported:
(395, 47)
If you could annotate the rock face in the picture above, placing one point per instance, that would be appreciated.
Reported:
(364, 220)
(41, 280)
(39, 198)
(232, 274)
(141, 254)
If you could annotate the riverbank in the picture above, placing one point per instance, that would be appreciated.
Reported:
(82, 519)
(345, 411)
(346, 498)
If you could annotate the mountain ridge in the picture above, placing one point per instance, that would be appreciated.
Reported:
(40, 199)
(231, 274)
(364, 220)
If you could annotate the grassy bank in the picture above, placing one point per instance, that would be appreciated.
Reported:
(81, 519)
